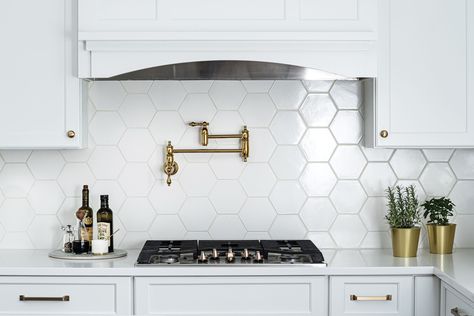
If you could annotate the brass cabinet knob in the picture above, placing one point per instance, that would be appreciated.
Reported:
(71, 134)
(384, 133)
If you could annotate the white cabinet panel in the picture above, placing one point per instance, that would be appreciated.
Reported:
(82, 296)
(427, 295)
(454, 303)
(228, 15)
(371, 295)
(425, 78)
(40, 95)
(231, 296)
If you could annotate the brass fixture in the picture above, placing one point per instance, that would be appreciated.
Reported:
(171, 167)
(64, 298)
(370, 298)
(71, 134)
(384, 133)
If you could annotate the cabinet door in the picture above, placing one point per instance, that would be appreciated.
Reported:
(231, 296)
(371, 295)
(40, 99)
(454, 303)
(425, 83)
(427, 295)
(65, 296)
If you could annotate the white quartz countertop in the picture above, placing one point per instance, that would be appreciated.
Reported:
(456, 269)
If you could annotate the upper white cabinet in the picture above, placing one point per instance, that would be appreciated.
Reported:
(119, 36)
(40, 92)
(425, 82)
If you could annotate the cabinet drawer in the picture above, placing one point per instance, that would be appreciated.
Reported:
(371, 295)
(65, 295)
(265, 295)
(455, 304)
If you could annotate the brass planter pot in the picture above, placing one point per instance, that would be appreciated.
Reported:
(441, 238)
(405, 241)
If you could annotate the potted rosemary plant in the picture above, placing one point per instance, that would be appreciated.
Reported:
(440, 231)
(403, 217)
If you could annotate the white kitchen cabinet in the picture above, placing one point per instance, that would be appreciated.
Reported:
(119, 36)
(40, 92)
(427, 295)
(454, 303)
(425, 80)
(371, 295)
(66, 295)
(231, 296)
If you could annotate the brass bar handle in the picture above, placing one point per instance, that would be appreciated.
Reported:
(371, 298)
(24, 298)
(456, 312)
(238, 136)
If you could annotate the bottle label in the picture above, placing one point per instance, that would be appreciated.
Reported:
(88, 220)
(86, 233)
(103, 231)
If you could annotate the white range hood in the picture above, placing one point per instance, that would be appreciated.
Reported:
(227, 39)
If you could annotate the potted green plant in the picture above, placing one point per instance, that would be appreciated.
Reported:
(403, 216)
(440, 231)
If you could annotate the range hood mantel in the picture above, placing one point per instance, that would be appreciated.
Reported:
(228, 70)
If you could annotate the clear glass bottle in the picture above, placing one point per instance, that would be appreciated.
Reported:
(68, 238)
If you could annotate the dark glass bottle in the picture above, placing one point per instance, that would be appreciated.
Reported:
(88, 220)
(105, 222)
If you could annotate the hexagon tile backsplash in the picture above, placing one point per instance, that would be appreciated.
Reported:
(308, 174)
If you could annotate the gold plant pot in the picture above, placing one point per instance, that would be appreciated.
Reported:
(441, 238)
(405, 241)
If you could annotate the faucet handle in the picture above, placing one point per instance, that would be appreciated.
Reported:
(194, 124)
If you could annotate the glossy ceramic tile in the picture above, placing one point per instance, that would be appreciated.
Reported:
(287, 162)
(107, 95)
(348, 231)
(137, 110)
(437, 179)
(287, 197)
(287, 94)
(348, 162)
(308, 174)
(348, 196)
(318, 214)
(318, 110)
(408, 163)
(227, 95)
(257, 214)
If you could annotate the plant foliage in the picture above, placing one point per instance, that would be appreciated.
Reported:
(438, 210)
(402, 206)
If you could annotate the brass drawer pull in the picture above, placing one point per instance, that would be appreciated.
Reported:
(456, 312)
(371, 298)
(64, 298)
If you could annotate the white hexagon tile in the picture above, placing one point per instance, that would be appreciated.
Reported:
(308, 175)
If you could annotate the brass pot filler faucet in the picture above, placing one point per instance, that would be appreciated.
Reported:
(171, 167)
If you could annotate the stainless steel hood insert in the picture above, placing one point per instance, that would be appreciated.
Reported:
(228, 70)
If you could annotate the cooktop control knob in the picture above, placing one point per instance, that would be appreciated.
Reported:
(215, 254)
(230, 255)
(202, 257)
(258, 257)
(245, 254)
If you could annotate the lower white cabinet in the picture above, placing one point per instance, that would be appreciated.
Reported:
(231, 296)
(65, 296)
(454, 303)
(371, 295)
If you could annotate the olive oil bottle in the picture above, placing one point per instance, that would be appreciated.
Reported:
(105, 222)
(88, 220)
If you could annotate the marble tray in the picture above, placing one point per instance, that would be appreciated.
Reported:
(59, 254)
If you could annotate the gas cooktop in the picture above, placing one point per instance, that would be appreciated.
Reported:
(229, 252)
